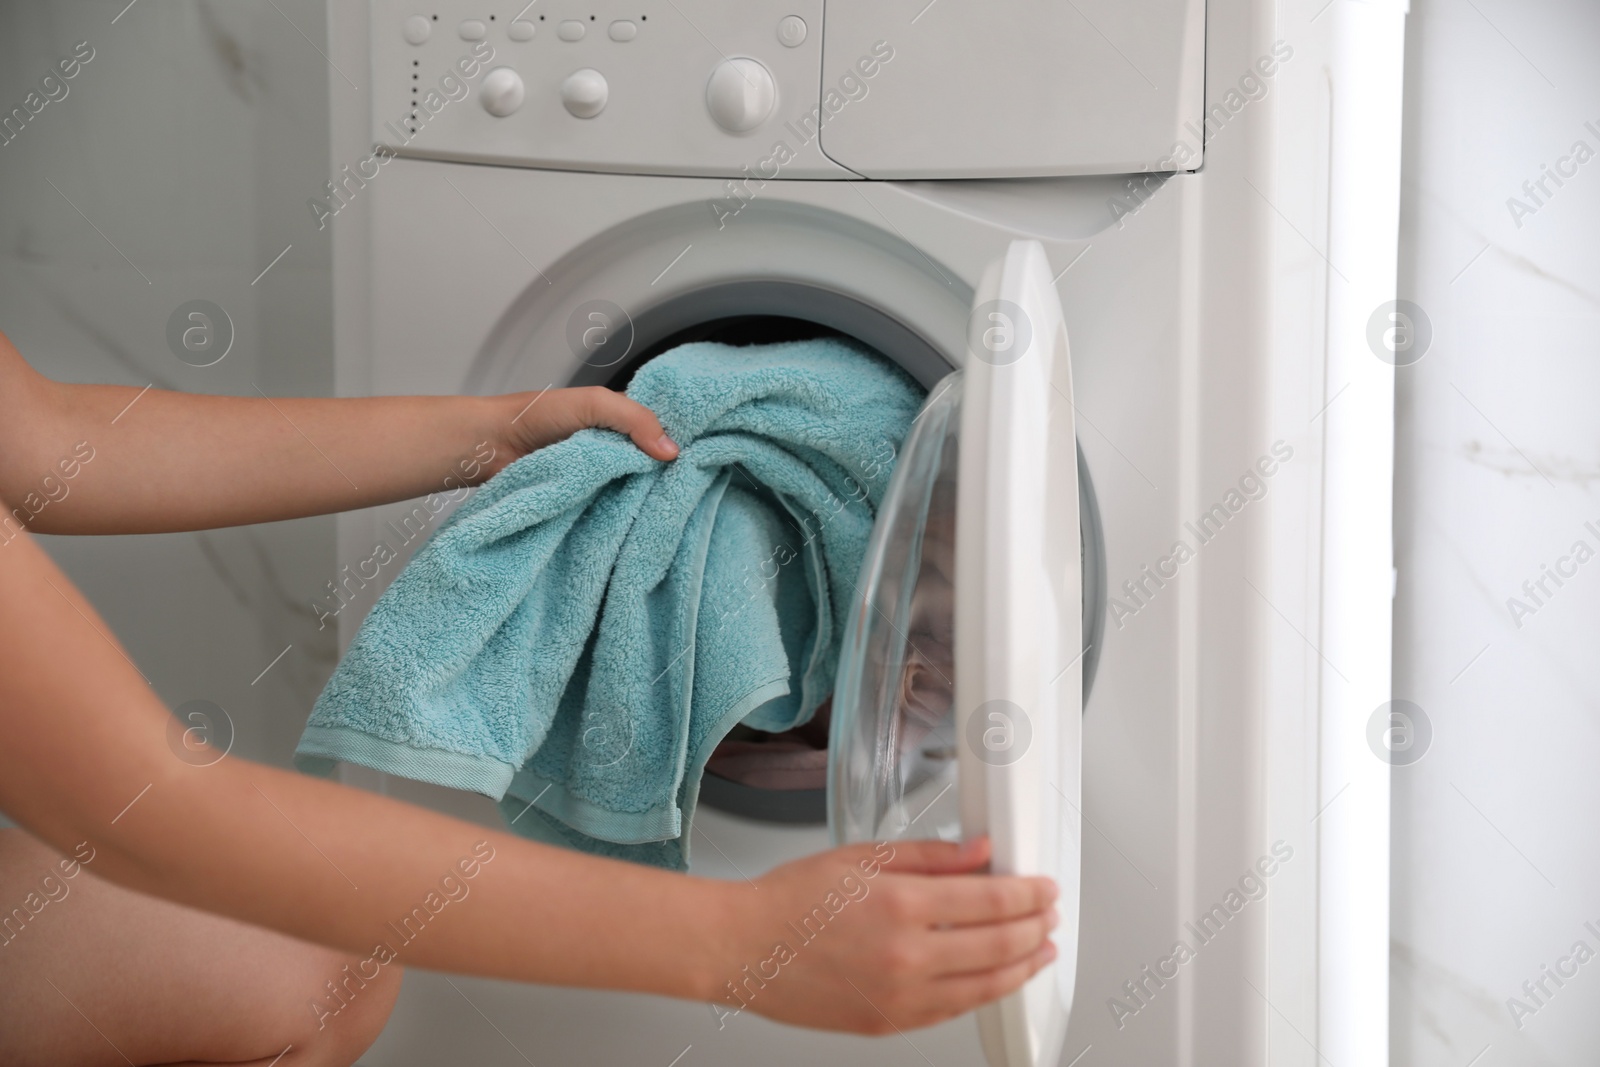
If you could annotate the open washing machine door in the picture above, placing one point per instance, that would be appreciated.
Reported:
(958, 706)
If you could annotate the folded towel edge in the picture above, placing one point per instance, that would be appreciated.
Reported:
(663, 822)
(660, 823)
(321, 746)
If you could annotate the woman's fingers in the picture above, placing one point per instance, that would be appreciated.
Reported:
(973, 900)
(613, 410)
(936, 857)
(963, 993)
(972, 950)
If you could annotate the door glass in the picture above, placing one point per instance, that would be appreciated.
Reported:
(893, 764)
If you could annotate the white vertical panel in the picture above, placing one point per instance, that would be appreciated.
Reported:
(1364, 213)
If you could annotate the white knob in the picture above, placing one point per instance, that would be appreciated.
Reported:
(740, 95)
(502, 91)
(585, 92)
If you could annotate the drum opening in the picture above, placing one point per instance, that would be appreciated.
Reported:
(782, 778)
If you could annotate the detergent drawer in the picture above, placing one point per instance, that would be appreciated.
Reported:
(1018, 88)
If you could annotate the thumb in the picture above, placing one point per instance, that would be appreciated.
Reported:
(618, 412)
(937, 857)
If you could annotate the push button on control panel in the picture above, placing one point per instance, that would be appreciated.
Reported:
(792, 31)
(571, 30)
(623, 30)
(472, 29)
(416, 29)
(520, 30)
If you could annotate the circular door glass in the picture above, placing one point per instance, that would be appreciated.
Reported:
(892, 756)
(892, 766)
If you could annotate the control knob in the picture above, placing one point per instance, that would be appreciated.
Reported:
(502, 91)
(740, 95)
(585, 93)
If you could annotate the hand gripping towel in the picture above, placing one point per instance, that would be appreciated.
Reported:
(579, 635)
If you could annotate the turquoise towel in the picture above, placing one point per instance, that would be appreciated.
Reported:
(581, 633)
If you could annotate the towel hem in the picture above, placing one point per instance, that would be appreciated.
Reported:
(663, 822)
(321, 745)
(696, 769)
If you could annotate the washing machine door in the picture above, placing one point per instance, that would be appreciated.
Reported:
(958, 706)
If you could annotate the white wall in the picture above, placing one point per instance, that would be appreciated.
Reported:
(191, 141)
(1496, 849)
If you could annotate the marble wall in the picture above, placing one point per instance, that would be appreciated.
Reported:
(1496, 845)
(177, 167)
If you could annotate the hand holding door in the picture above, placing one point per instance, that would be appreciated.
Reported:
(875, 938)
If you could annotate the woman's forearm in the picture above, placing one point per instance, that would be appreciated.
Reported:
(92, 758)
(396, 883)
(116, 459)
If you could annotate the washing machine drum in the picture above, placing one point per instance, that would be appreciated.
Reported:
(958, 706)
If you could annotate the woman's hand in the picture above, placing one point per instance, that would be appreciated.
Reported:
(877, 938)
(543, 418)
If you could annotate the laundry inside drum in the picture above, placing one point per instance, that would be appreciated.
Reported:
(784, 777)
(771, 777)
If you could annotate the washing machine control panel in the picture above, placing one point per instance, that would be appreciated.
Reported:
(714, 87)
(755, 90)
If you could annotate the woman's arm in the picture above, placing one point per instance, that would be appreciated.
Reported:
(850, 939)
(162, 461)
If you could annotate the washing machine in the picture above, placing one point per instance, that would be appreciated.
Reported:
(1114, 480)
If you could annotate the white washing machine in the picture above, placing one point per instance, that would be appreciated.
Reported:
(1162, 550)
